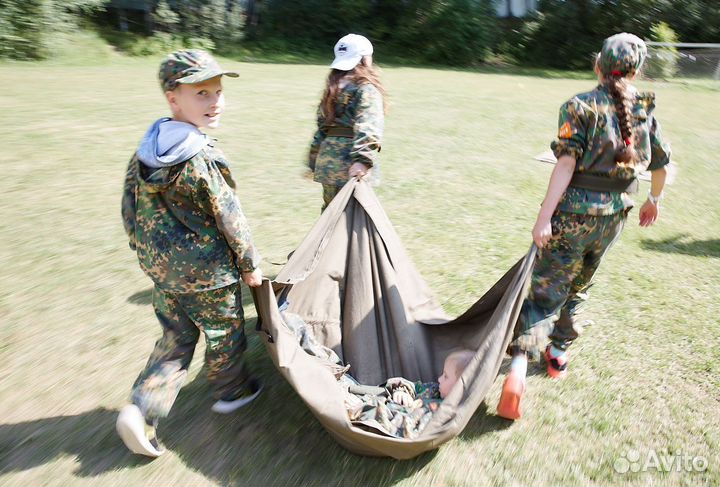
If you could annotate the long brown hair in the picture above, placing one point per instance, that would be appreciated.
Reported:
(617, 85)
(360, 74)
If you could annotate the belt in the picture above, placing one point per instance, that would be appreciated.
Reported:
(335, 131)
(604, 183)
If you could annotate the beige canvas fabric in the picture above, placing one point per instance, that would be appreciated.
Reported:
(353, 284)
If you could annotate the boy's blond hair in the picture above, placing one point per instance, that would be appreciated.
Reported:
(460, 360)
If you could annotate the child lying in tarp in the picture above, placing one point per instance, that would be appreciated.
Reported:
(399, 407)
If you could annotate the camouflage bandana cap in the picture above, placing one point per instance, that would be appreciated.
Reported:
(622, 54)
(189, 66)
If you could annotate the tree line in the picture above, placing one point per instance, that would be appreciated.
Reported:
(560, 33)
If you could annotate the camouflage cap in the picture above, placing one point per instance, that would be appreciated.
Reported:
(189, 66)
(622, 54)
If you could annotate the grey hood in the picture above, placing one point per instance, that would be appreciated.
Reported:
(168, 142)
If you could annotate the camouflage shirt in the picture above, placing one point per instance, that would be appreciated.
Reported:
(589, 131)
(361, 109)
(186, 223)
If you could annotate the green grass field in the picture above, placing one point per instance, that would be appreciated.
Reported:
(462, 189)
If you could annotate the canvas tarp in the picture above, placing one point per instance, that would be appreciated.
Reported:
(355, 287)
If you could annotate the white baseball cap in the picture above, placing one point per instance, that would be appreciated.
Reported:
(349, 50)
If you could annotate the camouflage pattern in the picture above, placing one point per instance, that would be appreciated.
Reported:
(589, 131)
(562, 276)
(623, 54)
(381, 414)
(189, 66)
(330, 158)
(186, 223)
(219, 315)
(329, 192)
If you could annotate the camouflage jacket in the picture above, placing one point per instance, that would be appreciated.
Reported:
(589, 131)
(361, 109)
(186, 223)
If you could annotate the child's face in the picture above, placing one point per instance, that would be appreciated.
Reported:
(448, 378)
(200, 104)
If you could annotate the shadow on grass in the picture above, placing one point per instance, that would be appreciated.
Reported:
(484, 421)
(679, 245)
(273, 441)
(141, 297)
(88, 436)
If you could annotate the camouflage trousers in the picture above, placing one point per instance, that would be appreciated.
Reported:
(561, 277)
(329, 192)
(219, 315)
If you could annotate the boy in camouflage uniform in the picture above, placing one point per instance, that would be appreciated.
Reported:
(192, 239)
(606, 137)
(350, 119)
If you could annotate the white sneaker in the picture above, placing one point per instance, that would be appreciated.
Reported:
(226, 406)
(137, 435)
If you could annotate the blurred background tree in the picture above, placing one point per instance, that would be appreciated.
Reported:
(663, 61)
(547, 33)
(27, 26)
(165, 19)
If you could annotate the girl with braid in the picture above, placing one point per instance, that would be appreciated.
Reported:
(606, 137)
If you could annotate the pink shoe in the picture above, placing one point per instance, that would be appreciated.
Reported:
(509, 406)
(556, 366)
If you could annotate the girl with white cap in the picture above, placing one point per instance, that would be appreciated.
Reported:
(350, 118)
